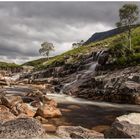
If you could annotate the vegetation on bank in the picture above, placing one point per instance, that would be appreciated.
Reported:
(35, 63)
(4, 65)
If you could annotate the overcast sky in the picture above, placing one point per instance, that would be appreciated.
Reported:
(25, 25)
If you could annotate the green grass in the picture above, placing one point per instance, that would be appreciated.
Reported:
(35, 62)
(4, 65)
(130, 60)
(106, 43)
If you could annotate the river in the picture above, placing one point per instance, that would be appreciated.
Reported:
(90, 114)
(81, 112)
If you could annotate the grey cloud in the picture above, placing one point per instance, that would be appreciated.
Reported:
(25, 25)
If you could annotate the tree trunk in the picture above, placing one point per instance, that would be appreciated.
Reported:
(129, 37)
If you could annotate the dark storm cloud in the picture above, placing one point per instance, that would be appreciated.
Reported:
(25, 25)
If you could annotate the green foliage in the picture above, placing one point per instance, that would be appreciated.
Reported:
(35, 63)
(78, 44)
(46, 48)
(132, 59)
(4, 65)
(128, 15)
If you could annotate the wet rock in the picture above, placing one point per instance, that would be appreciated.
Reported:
(3, 82)
(27, 99)
(44, 99)
(21, 128)
(68, 132)
(47, 111)
(36, 103)
(103, 58)
(52, 103)
(126, 126)
(11, 101)
(26, 109)
(130, 87)
(135, 78)
(3, 108)
(5, 114)
(35, 93)
(41, 119)
(22, 115)
(49, 128)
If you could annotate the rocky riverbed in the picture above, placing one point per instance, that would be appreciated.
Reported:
(55, 115)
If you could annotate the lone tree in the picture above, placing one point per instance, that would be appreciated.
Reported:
(78, 44)
(46, 48)
(128, 15)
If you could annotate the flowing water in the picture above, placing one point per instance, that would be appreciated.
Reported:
(90, 114)
(90, 70)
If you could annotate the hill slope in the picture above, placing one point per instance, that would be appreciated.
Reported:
(4, 65)
(103, 35)
(73, 54)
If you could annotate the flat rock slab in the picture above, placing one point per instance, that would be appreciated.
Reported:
(126, 126)
(76, 132)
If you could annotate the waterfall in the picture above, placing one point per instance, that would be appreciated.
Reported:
(91, 69)
(93, 65)
(68, 84)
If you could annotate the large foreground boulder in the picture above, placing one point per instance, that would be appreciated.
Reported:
(76, 132)
(21, 128)
(126, 126)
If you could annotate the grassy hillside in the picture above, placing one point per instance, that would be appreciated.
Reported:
(4, 65)
(34, 63)
(110, 42)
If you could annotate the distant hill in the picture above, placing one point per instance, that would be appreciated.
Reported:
(103, 35)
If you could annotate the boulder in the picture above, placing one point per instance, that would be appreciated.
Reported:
(21, 128)
(47, 111)
(52, 103)
(11, 101)
(27, 99)
(35, 103)
(126, 126)
(26, 109)
(68, 132)
(48, 101)
(44, 99)
(3, 108)
(103, 58)
(41, 119)
(5, 114)
(49, 128)
(135, 78)
(130, 87)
